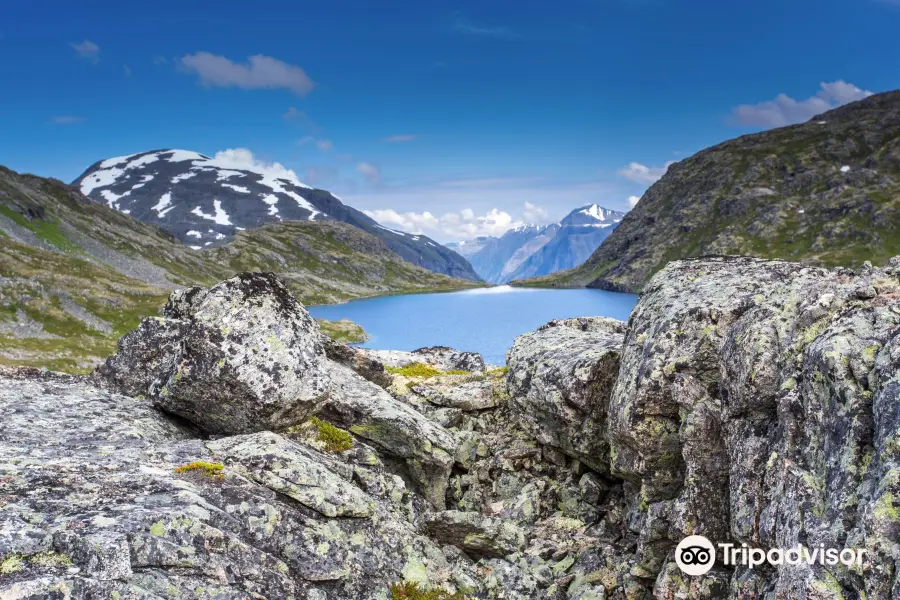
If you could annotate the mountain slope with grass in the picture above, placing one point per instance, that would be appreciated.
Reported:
(826, 192)
(76, 275)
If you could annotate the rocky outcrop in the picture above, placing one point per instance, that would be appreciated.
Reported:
(241, 357)
(749, 401)
(104, 497)
(560, 378)
(756, 404)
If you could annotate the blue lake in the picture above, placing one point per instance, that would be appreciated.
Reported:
(482, 320)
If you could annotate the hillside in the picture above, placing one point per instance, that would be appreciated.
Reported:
(205, 201)
(76, 275)
(826, 192)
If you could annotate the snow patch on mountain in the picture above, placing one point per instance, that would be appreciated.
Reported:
(220, 217)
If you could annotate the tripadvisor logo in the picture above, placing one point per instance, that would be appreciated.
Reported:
(695, 555)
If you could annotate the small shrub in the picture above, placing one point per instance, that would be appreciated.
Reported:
(411, 591)
(335, 439)
(206, 469)
(457, 372)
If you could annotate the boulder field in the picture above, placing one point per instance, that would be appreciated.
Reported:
(229, 450)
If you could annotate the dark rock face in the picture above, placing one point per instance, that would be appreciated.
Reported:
(243, 356)
(825, 193)
(205, 201)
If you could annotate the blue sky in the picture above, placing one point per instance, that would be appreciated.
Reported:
(432, 114)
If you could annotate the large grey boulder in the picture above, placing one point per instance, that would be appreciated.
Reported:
(559, 380)
(240, 357)
(370, 412)
(757, 404)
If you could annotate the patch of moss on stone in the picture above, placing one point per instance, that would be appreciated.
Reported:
(415, 369)
(206, 469)
(335, 439)
(410, 590)
(12, 564)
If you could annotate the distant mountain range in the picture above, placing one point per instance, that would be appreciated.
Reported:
(535, 250)
(205, 202)
(825, 192)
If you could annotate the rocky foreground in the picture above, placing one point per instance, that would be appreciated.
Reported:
(230, 450)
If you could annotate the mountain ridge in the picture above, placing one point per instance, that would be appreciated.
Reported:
(205, 201)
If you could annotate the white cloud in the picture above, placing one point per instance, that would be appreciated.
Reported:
(66, 120)
(535, 215)
(260, 72)
(633, 200)
(461, 225)
(242, 158)
(785, 110)
(643, 174)
(408, 137)
(370, 172)
(87, 49)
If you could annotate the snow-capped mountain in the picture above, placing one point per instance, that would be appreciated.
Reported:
(204, 201)
(534, 250)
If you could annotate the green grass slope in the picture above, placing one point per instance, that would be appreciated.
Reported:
(75, 276)
(776, 194)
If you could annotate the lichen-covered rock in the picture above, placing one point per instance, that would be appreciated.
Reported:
(450, 359)
(371, 413)
(241, 357)
(756, 403)
(282, 466)
(477, 535)
(440, 357)
(364, 365)
(560, 378)
(92, 505)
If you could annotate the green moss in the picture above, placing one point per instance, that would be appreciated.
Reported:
(409, 590)
(12, 564)
(419, 369)
(416, 369)
(344, 331)
(207, 469)
(335, 439)
(885, 508)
